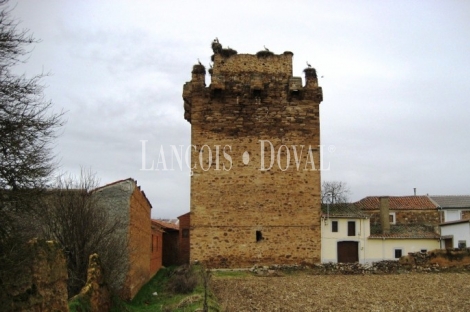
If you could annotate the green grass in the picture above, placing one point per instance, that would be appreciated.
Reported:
(166, 301)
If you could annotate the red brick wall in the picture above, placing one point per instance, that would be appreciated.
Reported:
(184, 238)
(139, 243)
(156, 250)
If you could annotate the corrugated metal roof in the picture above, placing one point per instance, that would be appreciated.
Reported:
(452, 201)
(397, 203)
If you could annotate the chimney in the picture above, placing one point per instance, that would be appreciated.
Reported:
(384, 214)
(414, 190)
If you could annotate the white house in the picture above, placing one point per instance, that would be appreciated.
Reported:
(344, 232)
(455, 234)
(453, 207)
(347, 236)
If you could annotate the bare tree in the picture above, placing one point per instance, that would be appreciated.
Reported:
(334, 192)
(71, 215)
(27, 128)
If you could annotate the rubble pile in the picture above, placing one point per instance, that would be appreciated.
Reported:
(433, 261)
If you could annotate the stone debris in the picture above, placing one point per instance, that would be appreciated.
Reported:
(455, 260)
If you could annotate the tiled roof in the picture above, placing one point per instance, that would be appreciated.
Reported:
(166, 225)
(397, 203)
(343, 211)
(404, 231)
(452, 201)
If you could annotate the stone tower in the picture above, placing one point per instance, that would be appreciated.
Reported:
(255, 184)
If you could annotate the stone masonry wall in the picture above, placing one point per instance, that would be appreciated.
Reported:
(404, 217)
(244, 212)
(42, 283)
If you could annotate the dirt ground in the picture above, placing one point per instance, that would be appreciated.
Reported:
(304, 292)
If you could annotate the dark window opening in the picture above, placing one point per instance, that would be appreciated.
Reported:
(259, 236)
(351, 228)
(462, 244)
(256, 93)
(424, 250)
(185, 233)
(334, 226)
(217, 93)
(398, 253)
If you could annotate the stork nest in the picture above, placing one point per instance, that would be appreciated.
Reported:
(264, 54)
(199, 69)
(228, 52)
(310, 72)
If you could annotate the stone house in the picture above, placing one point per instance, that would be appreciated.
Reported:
(124, 199)
(255, 183)
(403, 210)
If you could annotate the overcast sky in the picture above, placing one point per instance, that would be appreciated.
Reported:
(396, 107)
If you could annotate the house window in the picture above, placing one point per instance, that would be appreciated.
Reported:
(398, 253)
(424, 250)
(351, 228)
(259, 236)
(462, 244)
(334, 226)
(392, 218)
(185, 233)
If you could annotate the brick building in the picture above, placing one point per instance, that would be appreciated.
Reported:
(170, 244)
(156, 248)
(184, 242)
(125, 200)
(255, 184)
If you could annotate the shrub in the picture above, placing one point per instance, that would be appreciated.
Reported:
(183, 280)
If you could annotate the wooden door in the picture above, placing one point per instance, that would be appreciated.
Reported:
(448, 243)
(348, 252)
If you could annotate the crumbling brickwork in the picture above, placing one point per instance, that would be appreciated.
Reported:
(255, 185)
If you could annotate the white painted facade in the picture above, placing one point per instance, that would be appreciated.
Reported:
(458, 231)
(379, 249)
(452, 215)
(370, 249)
(330, 239)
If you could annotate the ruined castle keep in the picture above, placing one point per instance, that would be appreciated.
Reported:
(255, 158)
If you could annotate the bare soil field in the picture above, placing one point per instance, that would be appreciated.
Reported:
(304, 292)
